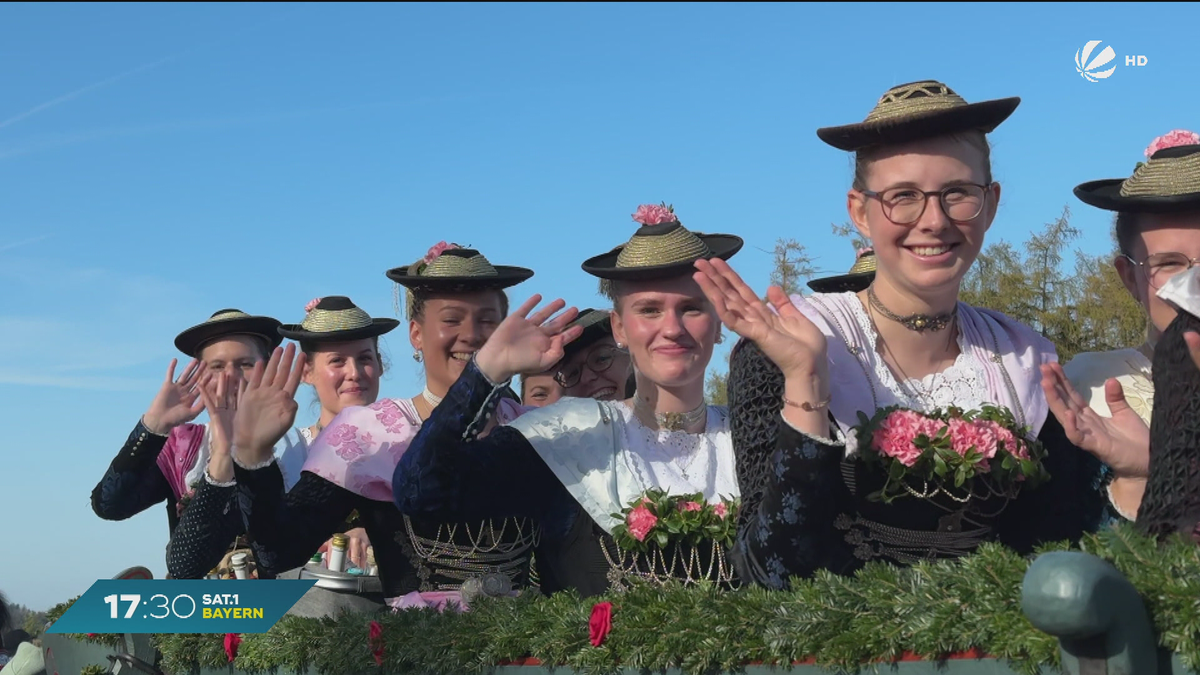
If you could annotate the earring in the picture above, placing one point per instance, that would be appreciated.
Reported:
(417, 356)
(620, 346)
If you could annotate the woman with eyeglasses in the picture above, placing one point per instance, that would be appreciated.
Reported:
(924, 195)
(594, 365)
(1107, 397)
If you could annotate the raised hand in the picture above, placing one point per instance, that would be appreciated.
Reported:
(525, 343)
(785, 336)
(267, 405)
(177, 401)
(220, 396)
(1122, 441)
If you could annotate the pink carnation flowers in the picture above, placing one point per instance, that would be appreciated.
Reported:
(950, 446)
(438, 249)
(1173, 139)
(655, 214)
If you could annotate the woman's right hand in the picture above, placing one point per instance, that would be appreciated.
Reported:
(527, 344)
(786, 336)
(793, 343)
(178, 401)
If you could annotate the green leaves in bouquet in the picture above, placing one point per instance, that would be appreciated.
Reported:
(685, 519)
(940, 465)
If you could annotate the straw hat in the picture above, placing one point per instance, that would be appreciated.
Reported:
(451, 268)
(596, 323)
(225, 323)
(336, 319)
(861, 274)
(1167, 182)
(661, 248)
(918, 110)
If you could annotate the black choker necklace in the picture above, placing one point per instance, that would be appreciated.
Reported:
(914, 322)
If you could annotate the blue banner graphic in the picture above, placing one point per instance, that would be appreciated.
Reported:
(182, 606)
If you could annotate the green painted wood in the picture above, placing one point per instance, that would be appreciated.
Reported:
(1096, 614)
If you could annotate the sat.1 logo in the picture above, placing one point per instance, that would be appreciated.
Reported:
(1091, 64)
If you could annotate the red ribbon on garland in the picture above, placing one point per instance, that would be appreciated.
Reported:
(232, 640)
(375, 640)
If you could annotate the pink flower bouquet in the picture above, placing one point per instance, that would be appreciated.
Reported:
(950, 447)
(657, 518)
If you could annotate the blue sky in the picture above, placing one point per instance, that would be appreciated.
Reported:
(160, 162)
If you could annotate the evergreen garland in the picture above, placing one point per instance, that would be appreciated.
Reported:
(931, 609)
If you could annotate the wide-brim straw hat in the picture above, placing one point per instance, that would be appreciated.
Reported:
(1167, 182)
(336, 319)
(227, 323)
(454, 270)
(861, 274)
(915, 111)
(661, 250)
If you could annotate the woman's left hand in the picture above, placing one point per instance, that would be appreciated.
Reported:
(1121, 441)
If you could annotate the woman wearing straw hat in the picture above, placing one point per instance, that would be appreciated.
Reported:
(164, 458)
(455, 301)
(923, 194)
(1158, 237)
(343, 365)
(574, 464)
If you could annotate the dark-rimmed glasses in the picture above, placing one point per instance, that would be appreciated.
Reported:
(598, 361)
(1160, 267)
(906, 205)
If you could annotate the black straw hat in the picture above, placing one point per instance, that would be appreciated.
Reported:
(225, 323)
(596, 323)
(1167, 182)
(661, 248)
(915, 111)
(336, 319)
(450, 268)
(861, 274)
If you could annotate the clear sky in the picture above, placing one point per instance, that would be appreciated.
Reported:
(160, 162)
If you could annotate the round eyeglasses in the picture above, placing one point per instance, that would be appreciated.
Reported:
(598, 361)
(1160, 267)
(906, 205)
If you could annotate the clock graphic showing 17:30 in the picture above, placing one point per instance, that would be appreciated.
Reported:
(181, 606)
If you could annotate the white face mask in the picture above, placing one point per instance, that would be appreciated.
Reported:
(1183, 291)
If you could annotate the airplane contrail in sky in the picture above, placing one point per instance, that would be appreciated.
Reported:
(83, 90)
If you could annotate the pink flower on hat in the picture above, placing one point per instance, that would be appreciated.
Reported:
(312, 304)
(437, 250)
(655, 214)
(1173, 139)
(864, 251)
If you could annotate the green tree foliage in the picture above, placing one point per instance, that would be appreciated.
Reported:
(1086, 309)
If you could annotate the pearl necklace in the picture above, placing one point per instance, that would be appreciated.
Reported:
(671, 421)
(432, 400)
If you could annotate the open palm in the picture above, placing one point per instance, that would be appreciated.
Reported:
(267, 405)
(1122, 441)
(786, 336)
(525, 343)
(177, 401)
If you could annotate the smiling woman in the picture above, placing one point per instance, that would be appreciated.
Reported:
(573, 464)
(455, 301)
(924, 195)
